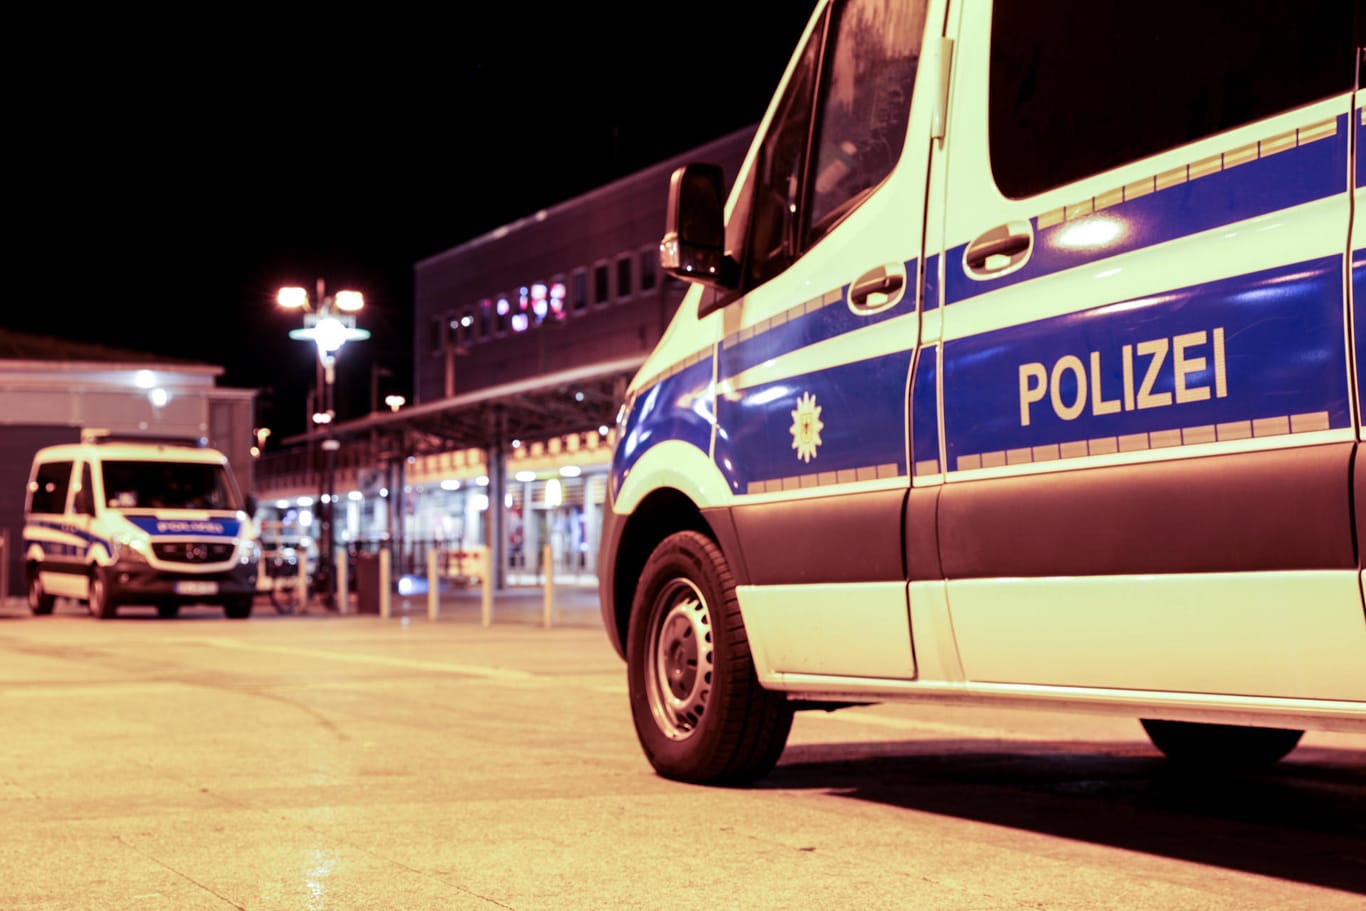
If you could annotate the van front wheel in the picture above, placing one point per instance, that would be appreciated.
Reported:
(699, 711)
(39, 601)
(101, 602)
(1220, 747)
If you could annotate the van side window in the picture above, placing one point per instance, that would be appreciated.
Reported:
(870, 49)
(83, 504)
(1124, 81)
(51, 483)
(770, 244)
(865, 105)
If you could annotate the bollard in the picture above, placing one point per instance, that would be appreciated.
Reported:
(487, 612)
(548, 561)
(385, 558)
(303, 579)
(433, 608)
(343, 584)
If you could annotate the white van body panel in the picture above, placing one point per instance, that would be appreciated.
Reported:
(1094, 448)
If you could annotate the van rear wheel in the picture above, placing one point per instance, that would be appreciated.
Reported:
(39, 601)
(101, 602)
(1220, 747)
(699, 711)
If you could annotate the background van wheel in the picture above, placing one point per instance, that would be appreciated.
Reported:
(239, 609)
(1220, 747)
(39, 601)
(699, 711)
(101, 601)
(168, 610)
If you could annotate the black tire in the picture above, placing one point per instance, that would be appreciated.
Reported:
(168, 610)
(101, 601)
(239, 609)
(699, 711)
(39, 601)
(1220, 747)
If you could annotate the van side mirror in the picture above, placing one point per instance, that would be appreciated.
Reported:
(694, 244)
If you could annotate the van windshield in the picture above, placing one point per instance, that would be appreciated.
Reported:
(168, 485)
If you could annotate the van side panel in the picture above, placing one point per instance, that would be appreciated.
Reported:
(1148, 399)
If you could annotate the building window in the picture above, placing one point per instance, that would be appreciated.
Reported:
(601, 292)
(649, 261)
(485, 318)
(623, 277)
(465, 332)
(438, 337)
(580, 298)
(557, 301)
(501, 312)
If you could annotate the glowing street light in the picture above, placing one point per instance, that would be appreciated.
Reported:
(329, 322)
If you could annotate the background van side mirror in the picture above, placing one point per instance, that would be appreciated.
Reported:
(694, 244)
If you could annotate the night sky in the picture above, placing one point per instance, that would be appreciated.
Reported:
(171, 175)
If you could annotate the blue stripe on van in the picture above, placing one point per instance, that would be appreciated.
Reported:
(862, 410)
(678, 407)
(1358, 319)
(1040, 390)
(924, 412)
(1298, 175)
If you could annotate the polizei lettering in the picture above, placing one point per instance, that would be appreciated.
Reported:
(1073, 384)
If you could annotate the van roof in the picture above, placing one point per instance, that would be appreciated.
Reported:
(124, 449)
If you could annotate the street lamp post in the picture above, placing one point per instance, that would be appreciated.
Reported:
(329, 322)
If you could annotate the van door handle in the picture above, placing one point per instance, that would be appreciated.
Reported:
(1002, 248)
(877, 289)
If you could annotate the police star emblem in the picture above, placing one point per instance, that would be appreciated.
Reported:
(806, 427)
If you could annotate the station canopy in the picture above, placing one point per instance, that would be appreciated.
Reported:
(539, 408)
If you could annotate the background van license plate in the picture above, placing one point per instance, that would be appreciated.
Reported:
(196, 588)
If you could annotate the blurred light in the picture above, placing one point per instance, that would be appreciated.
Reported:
(349, 301)
(570, 471)
(480, 502)
(450, 484)
(158, 397)
(330, 334)
(304, 501)
(292, 298)
(355, 496)
(395, 402)
(482, 480)
(602, 430)
(525, 476)
(554, 495)
(144, 379)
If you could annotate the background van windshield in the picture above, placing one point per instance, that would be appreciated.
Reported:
(167, 485)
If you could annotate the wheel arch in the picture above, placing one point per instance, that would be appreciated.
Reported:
(661, 513)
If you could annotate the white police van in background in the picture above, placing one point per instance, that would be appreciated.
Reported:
(116, 521)
(1020, 367)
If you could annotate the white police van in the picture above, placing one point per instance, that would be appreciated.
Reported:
(1020, 366)
(112, 522)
